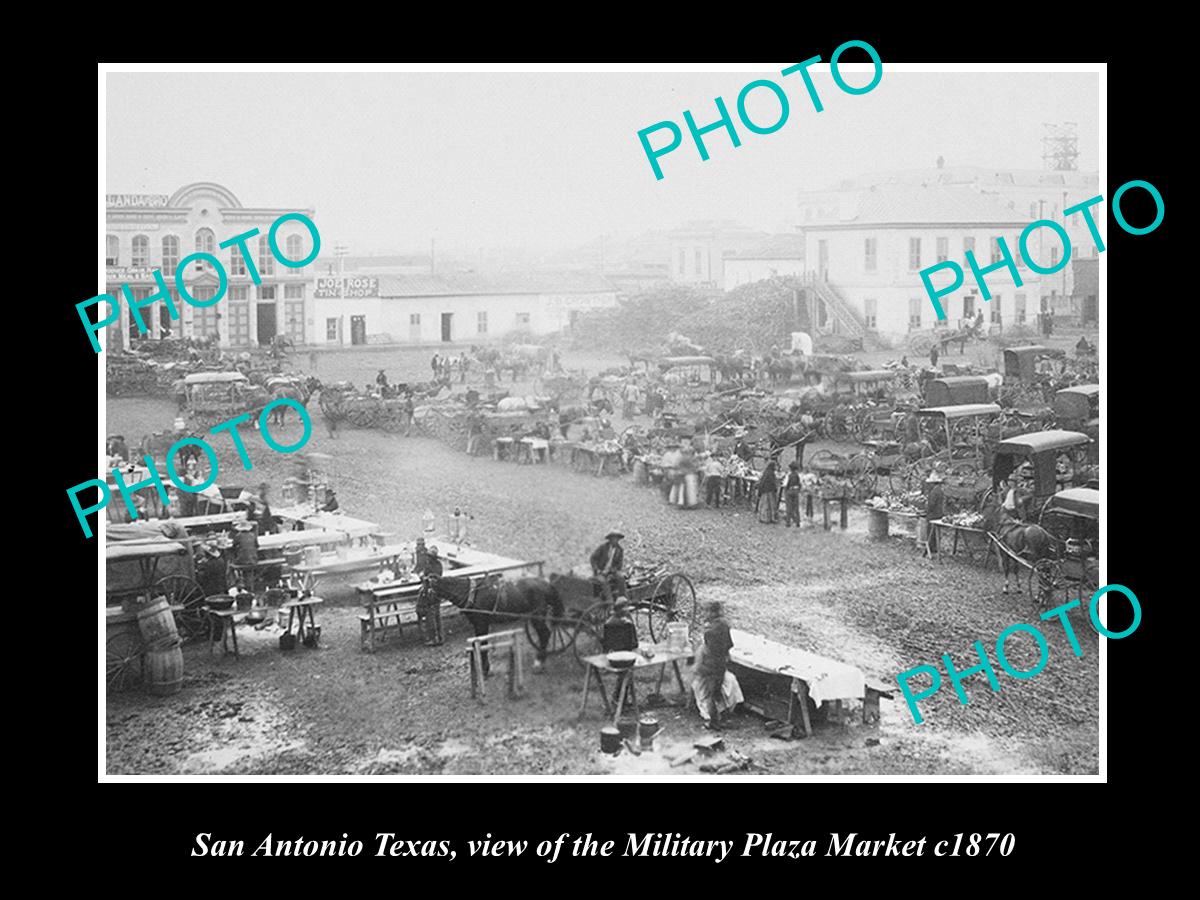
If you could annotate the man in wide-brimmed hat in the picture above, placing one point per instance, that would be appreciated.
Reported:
(935, 504)
(608, 566)
(716, 688)
(429, 604)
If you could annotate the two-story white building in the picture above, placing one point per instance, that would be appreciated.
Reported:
(155, 231)
(870, 245)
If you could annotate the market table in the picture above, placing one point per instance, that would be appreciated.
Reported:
(778, 680)
(306, 575)
(598, 666)
(969, 536)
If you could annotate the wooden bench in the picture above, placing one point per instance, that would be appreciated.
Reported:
(386, 611)
(875, 690)
(506, 643)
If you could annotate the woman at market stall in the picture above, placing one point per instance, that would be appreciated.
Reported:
(768, 493)
(791, 493)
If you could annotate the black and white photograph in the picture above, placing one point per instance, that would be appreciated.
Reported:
(640, 422)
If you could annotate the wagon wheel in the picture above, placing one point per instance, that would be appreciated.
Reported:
(360, 416)
(392, 420)
(588, 630)
(180, 590)
(867, 427)
(864, 476)
(562, 634)
(673, 600)
(1045, 580)
(122, 653)
(818, 461)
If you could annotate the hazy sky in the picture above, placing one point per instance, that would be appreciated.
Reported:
(550, 160)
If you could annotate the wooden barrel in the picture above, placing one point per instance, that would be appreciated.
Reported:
(164, 668)
(156, 622)
(877, 524)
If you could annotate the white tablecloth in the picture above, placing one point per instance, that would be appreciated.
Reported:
(827, 679)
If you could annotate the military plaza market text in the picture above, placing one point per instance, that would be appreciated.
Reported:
(646, 845)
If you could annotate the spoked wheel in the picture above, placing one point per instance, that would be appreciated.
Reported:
(589, 631)
(392, 421)
(862, 473)
(361, 416)
(674, 600)
(123, 660)
(180, 590)
(562, 635)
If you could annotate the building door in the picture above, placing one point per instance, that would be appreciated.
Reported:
(414, 328)
(358, 329)
(267, 325)
(823, 260)
(1091, 309)
(446, 330)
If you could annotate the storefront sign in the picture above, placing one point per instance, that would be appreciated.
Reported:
(331, 287)
(117, 274)
(140, 201)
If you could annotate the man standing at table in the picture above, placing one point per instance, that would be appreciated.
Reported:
(429, 605)
(608, 565)
(716, 688)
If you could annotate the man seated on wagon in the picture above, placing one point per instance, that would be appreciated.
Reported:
(608, 566)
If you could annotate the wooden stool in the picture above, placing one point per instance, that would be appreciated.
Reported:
(491, 643)
(223, 619)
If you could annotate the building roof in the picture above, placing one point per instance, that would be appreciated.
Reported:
(775, 246)
(981, 176)
(905, 204)
(463, 283)
(1042, 441)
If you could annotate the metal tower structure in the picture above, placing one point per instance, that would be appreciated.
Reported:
(1060, 147)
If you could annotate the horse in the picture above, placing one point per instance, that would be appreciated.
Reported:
(1030, 542)
(492, 599)
(299, 390)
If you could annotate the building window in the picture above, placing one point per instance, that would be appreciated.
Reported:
(237, 262)
(1033, 210)
(996, 255)
(943, 249)
(870, 254)
(914, 253)
(295, 250)
(522, 320)
(170, 254)
(682, 261)
(141, 251)
(266, 262)
(414, 319)
(266, 292)
(293, 317)
(699, 262)
(331, 329)
(968, 245)
(481, 323)
(112, 250)
(969, 305)
(869, 312)
(914, 313)
(1019, 308)
(206, 242)
(996, 308)
(1053, 257)
(293, 292)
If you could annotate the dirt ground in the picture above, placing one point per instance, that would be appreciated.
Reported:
(406, 709)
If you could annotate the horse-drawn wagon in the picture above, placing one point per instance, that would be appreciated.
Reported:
(1053, 460)
(957, 390)
(213, 397)
(1078, 409)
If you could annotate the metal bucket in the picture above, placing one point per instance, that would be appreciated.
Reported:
(610, 739)
(648, 728)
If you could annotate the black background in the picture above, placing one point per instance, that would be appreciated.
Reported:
(1053, 823)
